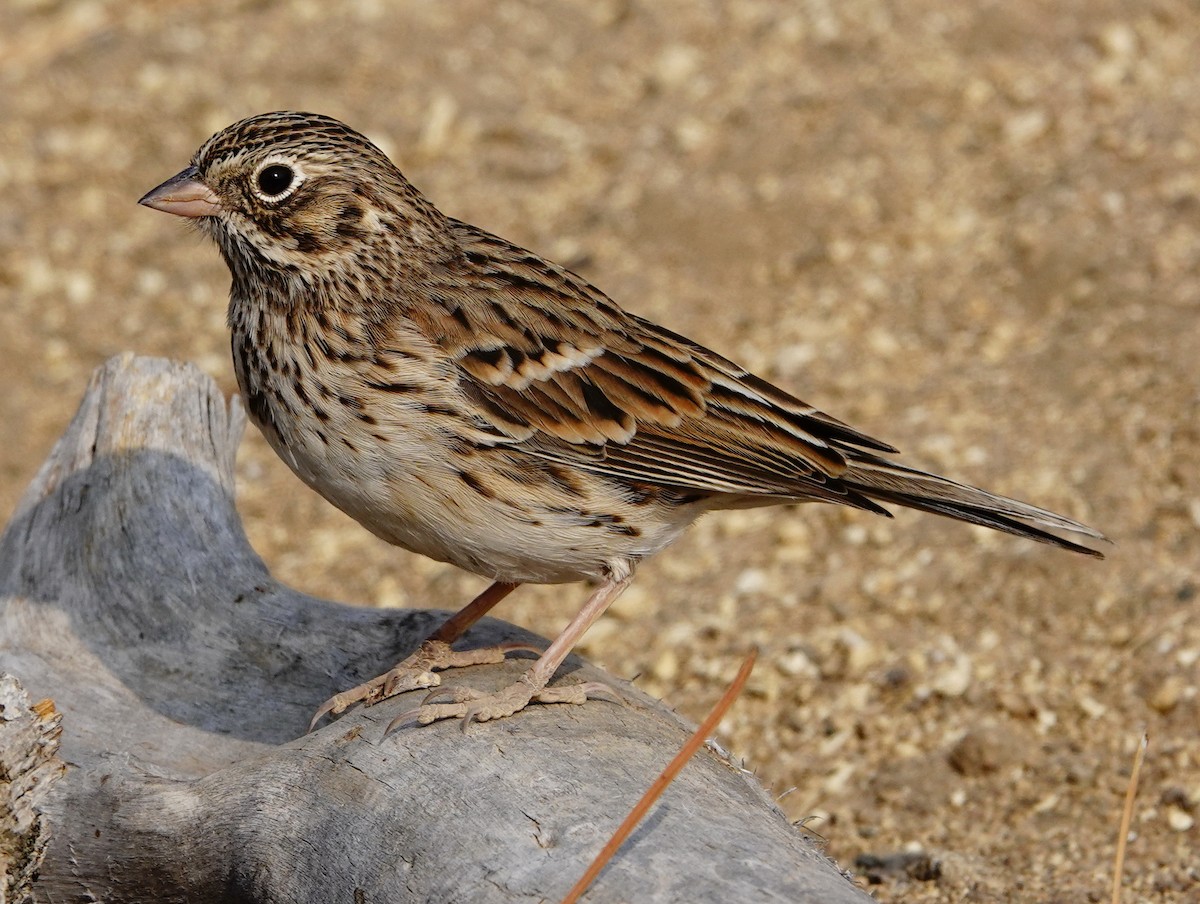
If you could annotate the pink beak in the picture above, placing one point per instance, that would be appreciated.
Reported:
(185, 196)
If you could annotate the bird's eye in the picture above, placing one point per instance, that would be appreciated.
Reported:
(275, 179)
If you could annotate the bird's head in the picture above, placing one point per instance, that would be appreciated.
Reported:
(303, 197)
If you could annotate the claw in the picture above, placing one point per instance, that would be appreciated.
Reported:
(470, 705)
(450, 696)
(398, 680)
(517, 647)
(596, 690)
(414, 673)
(330, 706)
(400, 720)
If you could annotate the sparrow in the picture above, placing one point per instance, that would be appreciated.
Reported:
(471, 401)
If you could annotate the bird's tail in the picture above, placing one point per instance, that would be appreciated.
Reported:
(887, 482)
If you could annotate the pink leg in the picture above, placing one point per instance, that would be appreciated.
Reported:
(472, 705)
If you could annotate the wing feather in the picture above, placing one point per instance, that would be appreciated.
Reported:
(552, 355)
(548, 365)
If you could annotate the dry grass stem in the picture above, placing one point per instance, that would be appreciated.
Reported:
(715, 715)
(1127, 816)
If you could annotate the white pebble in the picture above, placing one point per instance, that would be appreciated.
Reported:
(1179, 820)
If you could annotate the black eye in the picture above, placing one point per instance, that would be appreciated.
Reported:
(275, 179)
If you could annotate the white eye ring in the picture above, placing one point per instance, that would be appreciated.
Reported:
(276, 180)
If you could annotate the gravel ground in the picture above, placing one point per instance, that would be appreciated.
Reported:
(970, 229)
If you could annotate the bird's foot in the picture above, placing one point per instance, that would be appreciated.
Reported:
(475, 706)
(417, 671)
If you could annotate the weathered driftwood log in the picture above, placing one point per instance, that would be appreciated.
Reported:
(29, 767)
(186, 676)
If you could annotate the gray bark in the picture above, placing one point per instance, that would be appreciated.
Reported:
(186, 676)
(29, 767)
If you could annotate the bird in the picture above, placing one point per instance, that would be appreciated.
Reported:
(473, 402)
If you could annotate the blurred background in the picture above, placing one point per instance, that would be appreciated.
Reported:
(972, 230)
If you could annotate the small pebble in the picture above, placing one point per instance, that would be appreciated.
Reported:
(1178, 820)
(1166, 696)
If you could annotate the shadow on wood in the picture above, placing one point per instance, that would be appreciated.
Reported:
(186, 676)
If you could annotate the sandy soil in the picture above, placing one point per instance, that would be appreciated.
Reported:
(970, 229)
